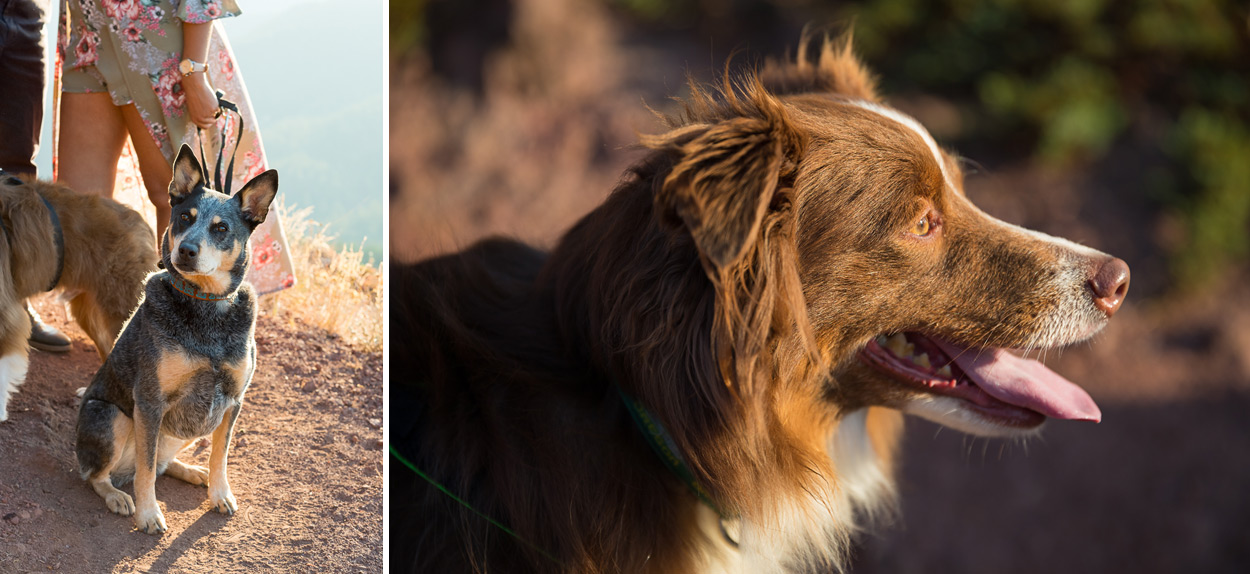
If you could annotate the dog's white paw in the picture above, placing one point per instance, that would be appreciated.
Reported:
(120, 503)
(224, 502)
(151, 521)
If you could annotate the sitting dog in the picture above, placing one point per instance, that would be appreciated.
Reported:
(179, 369)
(95, 250)
(707, 373)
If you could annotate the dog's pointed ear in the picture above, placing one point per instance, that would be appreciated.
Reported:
(255, 197)
(187, 177)
(726, 174)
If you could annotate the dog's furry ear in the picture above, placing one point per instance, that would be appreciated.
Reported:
(726, 173)
(187, 178)
(834, 69)
(255, 197)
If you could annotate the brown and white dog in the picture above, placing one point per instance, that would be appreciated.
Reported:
(793, 266)
(95, 250)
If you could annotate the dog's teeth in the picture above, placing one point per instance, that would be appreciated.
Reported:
(922, 359)
(909, 350)
(898, 343)
(945, 371)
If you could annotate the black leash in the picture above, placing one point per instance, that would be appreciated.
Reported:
(224, 104)
(58, 237)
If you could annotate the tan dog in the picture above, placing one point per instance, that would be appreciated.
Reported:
(95, 249)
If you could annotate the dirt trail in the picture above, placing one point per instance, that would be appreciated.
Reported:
(306, 468)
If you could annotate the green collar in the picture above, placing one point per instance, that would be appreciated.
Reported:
(664, 446)
(190, 290)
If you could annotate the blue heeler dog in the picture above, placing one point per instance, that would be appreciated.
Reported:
(181, 365)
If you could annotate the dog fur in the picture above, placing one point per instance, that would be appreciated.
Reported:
(108, 252)
(186, 357)
(730, 284)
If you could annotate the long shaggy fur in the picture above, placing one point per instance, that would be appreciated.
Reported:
(730, 284)
(109, 250)
(682, 290)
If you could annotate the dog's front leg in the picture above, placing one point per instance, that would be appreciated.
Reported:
(219, 494)
(15, 332)
(148, 516)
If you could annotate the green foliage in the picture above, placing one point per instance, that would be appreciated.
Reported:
(1219, 149)
(407, 25)
(1069, 78)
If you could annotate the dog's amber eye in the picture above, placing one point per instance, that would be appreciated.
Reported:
(922, 227)
(185, 217)
(220, 228)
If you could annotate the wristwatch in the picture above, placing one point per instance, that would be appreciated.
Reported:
(188, 67)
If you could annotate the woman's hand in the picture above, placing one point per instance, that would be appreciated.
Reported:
(201, 100)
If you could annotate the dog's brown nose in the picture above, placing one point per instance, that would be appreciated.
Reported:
(1110, 285)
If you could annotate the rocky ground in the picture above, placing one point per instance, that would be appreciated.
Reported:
(306, 468)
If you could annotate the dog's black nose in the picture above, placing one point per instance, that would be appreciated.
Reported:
(188, 252)
(1110, 285)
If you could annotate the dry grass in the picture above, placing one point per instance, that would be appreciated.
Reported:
(336, 290)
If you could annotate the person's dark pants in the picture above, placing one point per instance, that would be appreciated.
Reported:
(22, 69)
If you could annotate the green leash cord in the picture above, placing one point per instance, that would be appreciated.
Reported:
(666, 448)
(495, 523)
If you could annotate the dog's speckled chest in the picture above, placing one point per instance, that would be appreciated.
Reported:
(203, 358)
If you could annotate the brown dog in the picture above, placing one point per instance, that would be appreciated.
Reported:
(792, 267)
(94, 249)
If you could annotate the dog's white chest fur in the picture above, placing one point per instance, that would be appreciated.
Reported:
(814, 529)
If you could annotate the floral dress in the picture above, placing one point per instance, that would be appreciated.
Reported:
(131, 49)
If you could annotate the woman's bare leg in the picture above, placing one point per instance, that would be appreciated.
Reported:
(92, 135)
(153, 166)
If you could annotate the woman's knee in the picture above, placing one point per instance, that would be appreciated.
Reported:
(158, 192)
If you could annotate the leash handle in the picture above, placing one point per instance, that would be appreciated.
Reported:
(224, 104)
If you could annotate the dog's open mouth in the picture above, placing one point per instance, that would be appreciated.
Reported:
(996, 383)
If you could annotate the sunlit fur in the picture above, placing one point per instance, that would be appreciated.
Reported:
(727, 284)
(182, 365)
(108, 251)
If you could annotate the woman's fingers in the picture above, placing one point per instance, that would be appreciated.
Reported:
(201, 101)
(205, 122)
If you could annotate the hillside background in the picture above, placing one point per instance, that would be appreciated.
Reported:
(314, 71)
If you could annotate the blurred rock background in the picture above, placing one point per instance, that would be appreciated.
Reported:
(1121, 125)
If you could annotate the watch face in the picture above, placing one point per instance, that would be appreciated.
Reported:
(188, 66)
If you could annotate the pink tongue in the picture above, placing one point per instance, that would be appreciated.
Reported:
(1024, 383)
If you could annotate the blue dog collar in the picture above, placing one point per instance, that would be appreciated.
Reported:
(190, 290)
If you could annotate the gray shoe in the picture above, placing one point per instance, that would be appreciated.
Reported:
(45, 337)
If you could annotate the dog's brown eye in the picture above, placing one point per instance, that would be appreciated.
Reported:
(220, 228)
(922, 227)
(185, 217)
